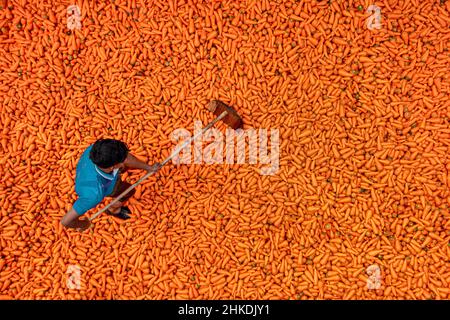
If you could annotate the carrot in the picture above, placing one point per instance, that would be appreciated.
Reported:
(363, 173)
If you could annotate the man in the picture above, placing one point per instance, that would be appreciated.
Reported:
(97, 176)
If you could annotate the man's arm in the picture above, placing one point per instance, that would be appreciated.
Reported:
(134, 163)
(72, 220)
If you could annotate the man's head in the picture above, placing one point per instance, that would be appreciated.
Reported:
(108, 154)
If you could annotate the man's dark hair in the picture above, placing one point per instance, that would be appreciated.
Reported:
(106, 153)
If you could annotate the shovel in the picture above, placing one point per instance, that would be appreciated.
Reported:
(222, 112)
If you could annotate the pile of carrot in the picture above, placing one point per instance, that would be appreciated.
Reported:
(364, 122)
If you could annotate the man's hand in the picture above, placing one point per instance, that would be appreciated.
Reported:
(84, 225)
(72, 220)
(155, 167)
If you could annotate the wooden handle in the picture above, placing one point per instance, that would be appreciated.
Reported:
(174, 153)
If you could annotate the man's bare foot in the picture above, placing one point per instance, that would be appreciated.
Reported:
(121, 213)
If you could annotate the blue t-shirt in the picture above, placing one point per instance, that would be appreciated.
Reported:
(91, 184)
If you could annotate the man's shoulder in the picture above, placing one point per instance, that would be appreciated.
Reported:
(86, 175)
(85, 163)
(86, 152)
